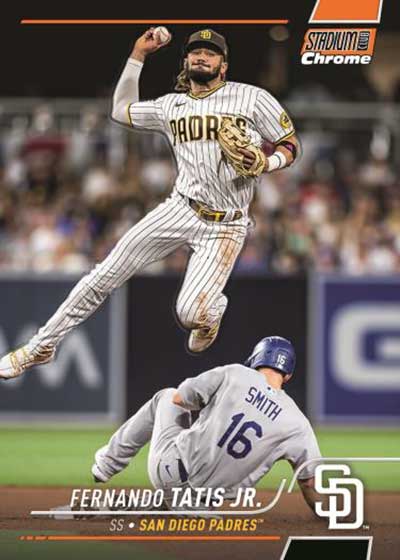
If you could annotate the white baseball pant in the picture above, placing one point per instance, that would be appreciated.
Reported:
(215, 247)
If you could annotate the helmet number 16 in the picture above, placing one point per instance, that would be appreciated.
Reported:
(281, 359)
(239, 445)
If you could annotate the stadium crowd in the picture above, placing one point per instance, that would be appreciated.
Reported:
(66, 198)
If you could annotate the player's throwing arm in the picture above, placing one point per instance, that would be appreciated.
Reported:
(216, 129)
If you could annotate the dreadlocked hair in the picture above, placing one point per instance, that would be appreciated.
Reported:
(182, 80)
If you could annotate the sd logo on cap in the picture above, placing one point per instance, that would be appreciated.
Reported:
(207, 38)
(206, 34)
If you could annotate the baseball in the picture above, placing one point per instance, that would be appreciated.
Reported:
(162, 33)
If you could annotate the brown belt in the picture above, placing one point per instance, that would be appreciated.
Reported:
(211, 215)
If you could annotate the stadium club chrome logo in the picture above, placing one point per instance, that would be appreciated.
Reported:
(338, 492)
(338, 46)
(341, 45)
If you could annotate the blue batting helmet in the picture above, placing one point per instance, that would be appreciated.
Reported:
(274, 352)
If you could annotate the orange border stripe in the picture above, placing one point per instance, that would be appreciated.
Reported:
(150, 538)
(343, 10)
(149, 21)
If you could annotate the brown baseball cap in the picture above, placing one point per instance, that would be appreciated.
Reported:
(207, 38)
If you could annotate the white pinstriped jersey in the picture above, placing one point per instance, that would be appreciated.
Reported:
(191, 124)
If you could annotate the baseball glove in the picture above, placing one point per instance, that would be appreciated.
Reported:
(230, 138)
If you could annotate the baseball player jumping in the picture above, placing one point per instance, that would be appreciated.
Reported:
(247, 422)
(216, 129)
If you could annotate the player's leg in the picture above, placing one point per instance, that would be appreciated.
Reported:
(170, 420)
(151, 239)
(201, 303)
(159, 420)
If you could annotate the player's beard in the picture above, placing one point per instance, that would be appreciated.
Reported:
(202, 76)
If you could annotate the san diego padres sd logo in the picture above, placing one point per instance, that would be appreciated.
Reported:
(339, 488)
(206, 34)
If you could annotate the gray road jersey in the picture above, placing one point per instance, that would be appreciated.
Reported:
(245, 427)
(191, 125)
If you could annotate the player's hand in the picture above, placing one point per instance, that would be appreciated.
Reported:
(147, 43)
(248, 157)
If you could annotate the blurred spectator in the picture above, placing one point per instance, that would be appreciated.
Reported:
(67, 195)
(42, 153)
(97, 183)
(252, 259)
(156, 176)
(88, 141)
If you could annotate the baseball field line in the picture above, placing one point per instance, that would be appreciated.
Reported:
(150, 21)
(149, 538)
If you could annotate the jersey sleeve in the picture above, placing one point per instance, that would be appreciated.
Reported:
(147, 115)
(302, 449)
(271, 119)
(196, 392)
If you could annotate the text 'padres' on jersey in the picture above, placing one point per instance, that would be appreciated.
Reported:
(191, 124)
(245, 427)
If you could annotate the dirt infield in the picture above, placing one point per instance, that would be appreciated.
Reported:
(289, 517)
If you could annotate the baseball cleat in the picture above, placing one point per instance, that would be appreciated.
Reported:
(98, 475)
(201, 339)
(15, 363)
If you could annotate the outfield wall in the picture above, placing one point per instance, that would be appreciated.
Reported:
(346, 332)
(258, 307)
(354, 350)
(86, 382)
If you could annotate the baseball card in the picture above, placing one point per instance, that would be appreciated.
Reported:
(200, 282)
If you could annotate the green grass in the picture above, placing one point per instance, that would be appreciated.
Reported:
(36, 457)
(359, 442)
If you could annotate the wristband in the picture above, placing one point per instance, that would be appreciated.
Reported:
(135, 62)
(289, 146)
(276, 161)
